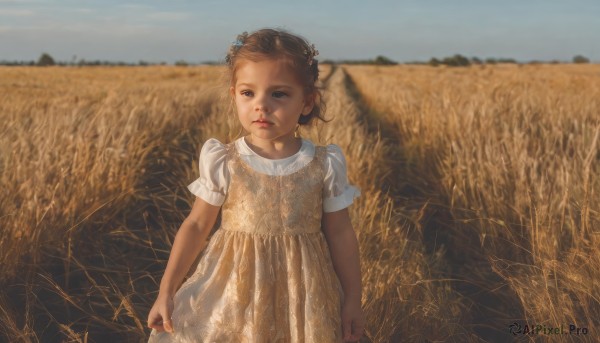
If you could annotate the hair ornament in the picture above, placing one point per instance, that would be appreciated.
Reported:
(236, 45)
(241, 38)
(310, 54)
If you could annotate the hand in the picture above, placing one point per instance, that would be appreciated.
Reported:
(159, 317)
(353, 321)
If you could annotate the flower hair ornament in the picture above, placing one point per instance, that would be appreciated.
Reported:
(310, 53)
(241, 38)
(236, 45)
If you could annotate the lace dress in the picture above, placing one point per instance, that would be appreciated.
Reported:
(266, 274)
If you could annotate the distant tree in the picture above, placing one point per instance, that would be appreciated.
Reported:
(507, 60)
(211, 63)
(416, 62)
(46, 60)
(181, 63)
(491, 61)
(456, 61)
(434, 62)
(476, 60)
(382, 60)
(581, 59)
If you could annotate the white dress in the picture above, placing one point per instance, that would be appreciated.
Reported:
(266, 274)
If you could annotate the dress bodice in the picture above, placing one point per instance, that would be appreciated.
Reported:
(274, 204)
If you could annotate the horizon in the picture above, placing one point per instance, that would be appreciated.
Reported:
(182, 30)
(92, 62)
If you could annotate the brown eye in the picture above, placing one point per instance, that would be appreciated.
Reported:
(279, 94)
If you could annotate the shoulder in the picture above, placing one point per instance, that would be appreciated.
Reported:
(214, 158)
(214, 151)
(333, 151)
(213, 182)
(212, 146)
(332, 161)
(330, 151)
(333, 158)
(338, 193)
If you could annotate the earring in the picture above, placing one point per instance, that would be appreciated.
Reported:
(297, 132)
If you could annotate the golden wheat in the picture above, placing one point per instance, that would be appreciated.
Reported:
(510, 155)
(479, 194)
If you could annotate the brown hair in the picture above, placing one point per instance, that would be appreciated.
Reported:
(275, 44)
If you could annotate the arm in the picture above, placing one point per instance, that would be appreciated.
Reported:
(343, 247)
(189, 241)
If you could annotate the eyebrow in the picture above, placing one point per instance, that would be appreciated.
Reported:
(252, 85)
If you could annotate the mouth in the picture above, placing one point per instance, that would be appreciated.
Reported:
(261, 121)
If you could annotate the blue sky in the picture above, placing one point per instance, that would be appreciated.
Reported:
(199, 30)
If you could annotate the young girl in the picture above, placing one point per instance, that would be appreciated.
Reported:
(283, 266)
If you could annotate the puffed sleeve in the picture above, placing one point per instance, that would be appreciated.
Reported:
(337, 193)
(213, 182)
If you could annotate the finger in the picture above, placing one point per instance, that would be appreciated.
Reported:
(157, 327)
(168, 325)
(153, 323)
(166, 320)
(151, 320)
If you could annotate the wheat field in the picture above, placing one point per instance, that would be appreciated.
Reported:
(480, 203)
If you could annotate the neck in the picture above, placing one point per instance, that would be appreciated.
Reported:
(274, 150)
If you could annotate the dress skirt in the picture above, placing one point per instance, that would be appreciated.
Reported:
(259, 288)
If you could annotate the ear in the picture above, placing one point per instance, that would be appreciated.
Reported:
(309, 103)
(232, 91)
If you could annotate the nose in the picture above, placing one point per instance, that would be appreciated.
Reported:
(261, 109)
(261, 105)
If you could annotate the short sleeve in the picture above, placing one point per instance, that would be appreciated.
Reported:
(213, 182)
(337, 192)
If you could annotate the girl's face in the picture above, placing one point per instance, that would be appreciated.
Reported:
(269, 100)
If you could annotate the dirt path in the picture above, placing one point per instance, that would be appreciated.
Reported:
(400, 298)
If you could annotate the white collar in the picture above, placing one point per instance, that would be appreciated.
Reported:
(281, 166)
